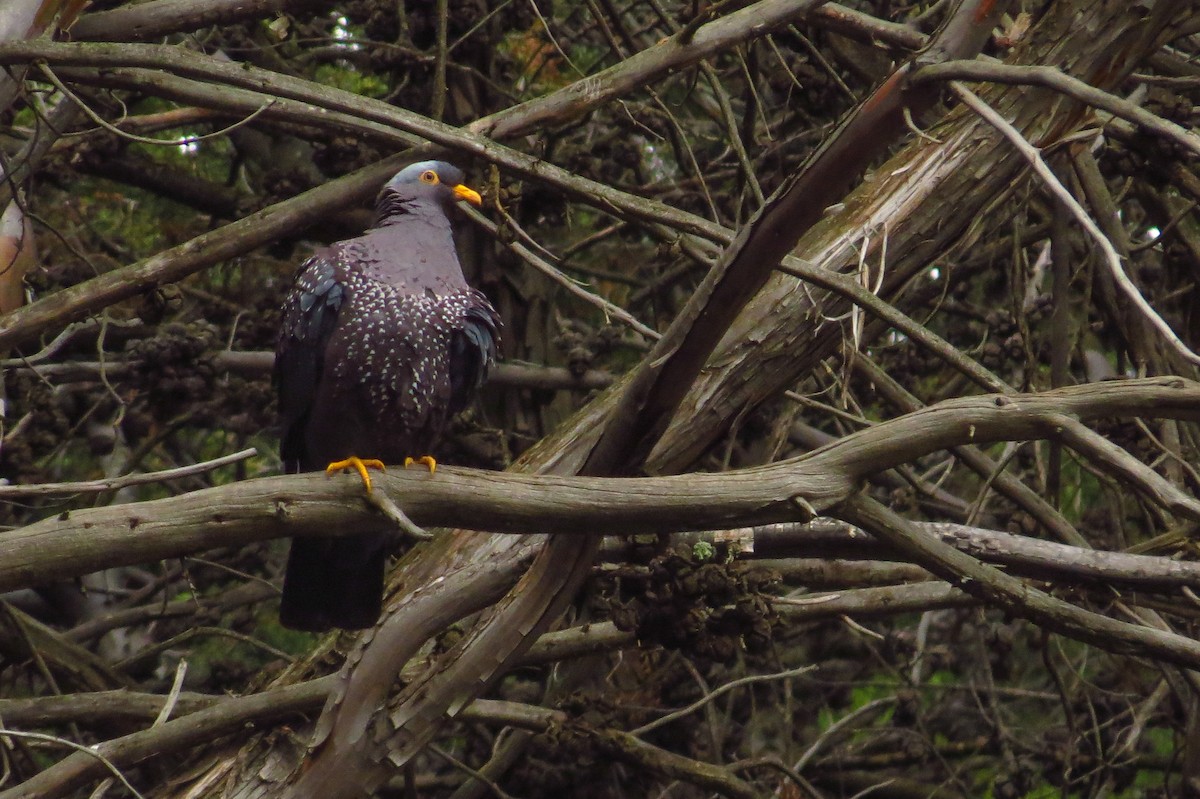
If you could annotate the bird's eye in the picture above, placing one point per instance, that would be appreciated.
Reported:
(429, 176)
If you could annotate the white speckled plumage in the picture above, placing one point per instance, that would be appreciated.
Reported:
(382, 340)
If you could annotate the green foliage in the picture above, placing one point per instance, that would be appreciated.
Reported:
(129, 217)
(878, 687)
(349, 79)
(1081, 488)
(272, 633)
(1159, 740)
(1145, 780)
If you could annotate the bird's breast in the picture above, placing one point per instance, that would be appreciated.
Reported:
(396, 361)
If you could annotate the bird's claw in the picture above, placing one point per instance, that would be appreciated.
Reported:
(427, 460)
(359, 465)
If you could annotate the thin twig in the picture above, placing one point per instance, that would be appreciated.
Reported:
(114, 483)
(839, 725)
(550, 271)
(173, 696)
(390, 509)
(554, 41)
(724, 689)
(438, 103)
(111, 128)
(87, 750)
(150, 652)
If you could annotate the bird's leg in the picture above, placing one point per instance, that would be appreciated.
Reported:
(427, 460)
(359, 465)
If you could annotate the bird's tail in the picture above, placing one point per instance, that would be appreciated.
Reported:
(334, 582)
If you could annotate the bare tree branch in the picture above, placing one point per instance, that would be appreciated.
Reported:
(1111, 257)
(995, 587)
(77, 542)
(1056, 79)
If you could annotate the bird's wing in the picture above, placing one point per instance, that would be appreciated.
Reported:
(310, 312)
(472, 350)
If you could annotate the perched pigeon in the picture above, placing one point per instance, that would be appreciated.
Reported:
(382, 341)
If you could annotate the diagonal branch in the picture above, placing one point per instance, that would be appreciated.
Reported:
(1059, 81)
(1111, 257)
(661, 380)
(1012, 594)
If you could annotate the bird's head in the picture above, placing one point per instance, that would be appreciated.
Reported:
(436, 181)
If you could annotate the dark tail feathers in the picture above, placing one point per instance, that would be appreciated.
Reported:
(334, 582)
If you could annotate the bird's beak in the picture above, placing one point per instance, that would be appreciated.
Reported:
(462, 192)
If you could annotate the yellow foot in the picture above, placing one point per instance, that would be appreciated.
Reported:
(358, 465)
(428, 460)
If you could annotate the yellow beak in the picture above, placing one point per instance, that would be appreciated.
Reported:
(470, 195)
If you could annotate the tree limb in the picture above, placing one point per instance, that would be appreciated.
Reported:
(79, 542)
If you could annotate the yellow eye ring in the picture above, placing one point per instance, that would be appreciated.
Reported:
(429, 176)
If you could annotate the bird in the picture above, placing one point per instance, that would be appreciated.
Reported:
(381, 342)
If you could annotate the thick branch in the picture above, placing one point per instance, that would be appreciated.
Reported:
(79, 542)
(653, 394)
(153, 20)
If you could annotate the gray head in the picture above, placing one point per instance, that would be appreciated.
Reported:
(435, 181)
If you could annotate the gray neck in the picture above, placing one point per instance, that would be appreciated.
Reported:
(393, 207)
(411, 247)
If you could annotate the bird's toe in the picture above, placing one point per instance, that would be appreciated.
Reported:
(359, 465)
(427, 460)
